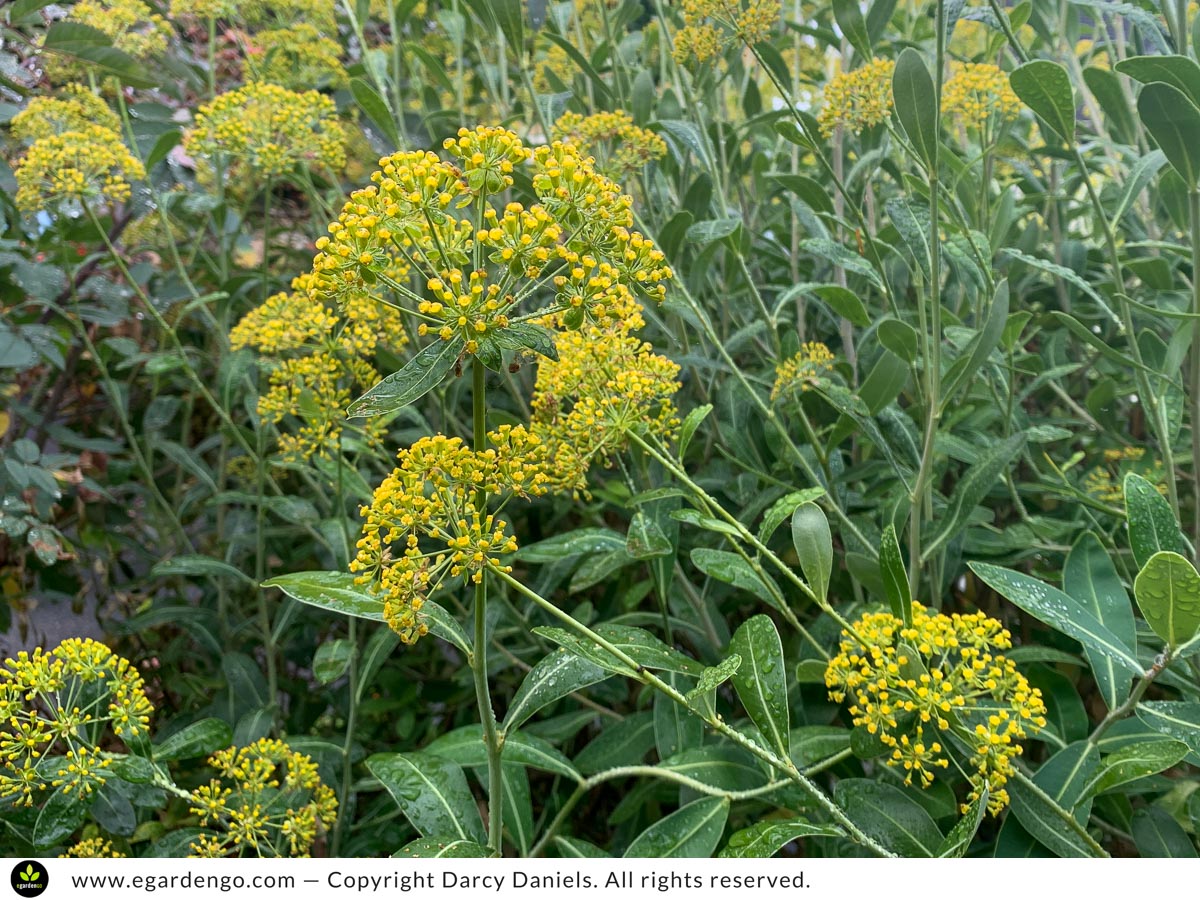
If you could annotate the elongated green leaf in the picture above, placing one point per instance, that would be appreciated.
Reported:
(727, 566)
(1159, 836)
(1090, 579)
(890, 816)
(1134, 762)
(975, 485)
(432, 793)
(198, 739)
(1180, 720)
(94, 46)
(442, 848)
(62, 814)
(849, 17)
(376, 109)
(691, 831)
(981, 347)
(1045, 87)
(782, 508)
(701, 696)
(646, 539)
(197, 564)
(572, 543)
(761, 679)
(1037, 816)
(623, 743)
(577, 848)
(767, 838)
(640, 645)
(916, 103)
(958, 841)
(420, 375)
(1167, 591)
(1060, 612)
(1180, 72)
(332, 659)
(900, 338)
(1152, 524)
(690, 423)
(1173, 121)
(912, 221)
(895, 576)
(554, 676)
(814, 546)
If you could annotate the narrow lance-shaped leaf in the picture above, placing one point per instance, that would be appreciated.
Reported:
(419, 376)
(916, 103)
(975, 485)
(1151, 521)
(761, 680)
(1090, 578)
(895, 576)
(1174, 122)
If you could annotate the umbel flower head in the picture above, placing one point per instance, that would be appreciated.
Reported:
(936, 694)
(477, 258)
(92, 848)
(858, 99)
(625, 147)
(425, 525)
(265, 131)
(75, 108)
(266, 800)
(296, 57)
(68, 170)
(978, 94)
(711, 25)
(802, 371)
(55, 710)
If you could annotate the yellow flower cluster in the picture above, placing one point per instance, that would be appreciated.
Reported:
(805, 369)
(586, 22)
(604, 384)
(204, 9)
(476, 271)
(89, 166)
(266, 131)
(320, 13)
(625, 146)
(92, 848)
(65, 699)
(74, 109)
(1107, 482)
(296, 57)
(936, 686)
(710, 25)
(858, 99)
(317, 356)
(979, 92)
(267, 800)
(425, 523)
(132, 25)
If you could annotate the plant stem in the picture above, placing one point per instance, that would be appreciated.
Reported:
(492, 740)
(714, 721)
(1135, 695)
(1194, 379)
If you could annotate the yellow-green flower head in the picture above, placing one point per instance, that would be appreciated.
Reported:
(266, 800)
(296, 57)
(74, 109)
(266, 131)
(477, 260)
(56, 708)
(604, 384)
(321, 14)
(709, 26)
(804, 370)
(204, 9)
(132, 25)
(92, 848)
(935, 691)
(90, 166)
(625, 147)
(424, 527)
(858, 99)
(978, 93)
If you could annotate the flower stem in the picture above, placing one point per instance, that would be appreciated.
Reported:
(492, 739)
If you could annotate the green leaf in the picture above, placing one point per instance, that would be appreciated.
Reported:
(1037, 815)
(167, 141)
(761, 680)
(814, 546)
(555, 675)
(1134, 762)
(844, 302)
(333, 591)
(975, 485)
(92, 45)
(1152, 524)
(465, 747)
(782, 508)
(197, 564)
(912, 222)
(442, 848)
(332, 659)
(895, 576)
(58, 819)
(708, 523)
(590, 541)
(702, 697)
(637, 643)
(916, 103)
(726, 566)
(1090, 579)
(1167, 591)
(577, 848)
(848, 14)
(198, 739)
(432, 793)
(690, 832)
(713, 230)
(1045, 87)
(527, 336)
(1180, 720)
(1050, 605)
(900, 338)
(420, 375)
(1180, 72)
(690, 423)
(1159, 836)
(981, 346)
(646, 539)
(1174, 122)
(765, 839)
(959, 839)
(890, 816)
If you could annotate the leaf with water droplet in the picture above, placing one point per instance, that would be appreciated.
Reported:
(761, 679)
(1167, 591)
(690, 832)
(432, 793)
(1152, 523)
(420, 375)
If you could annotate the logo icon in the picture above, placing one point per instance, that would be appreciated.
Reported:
(29, 878)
